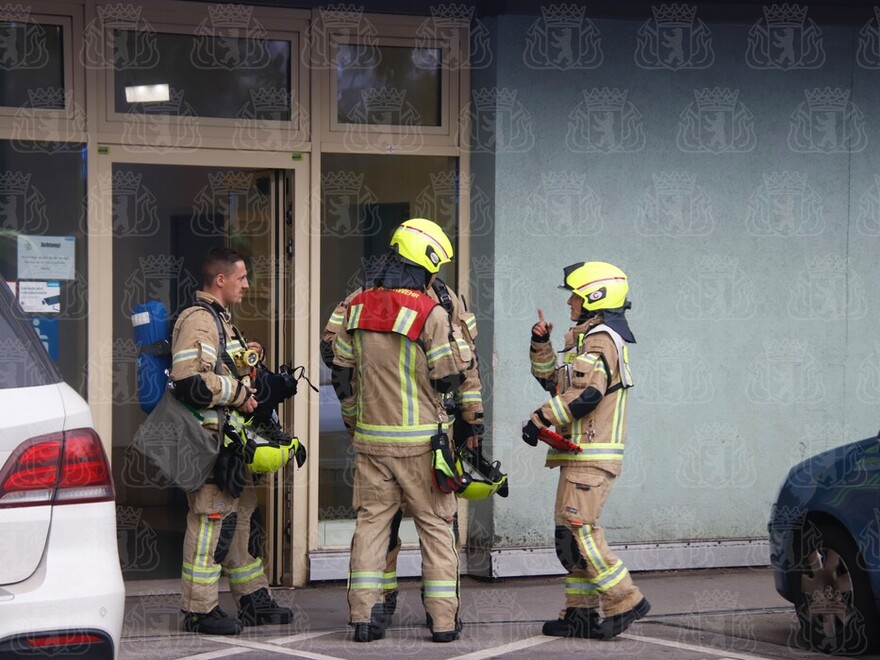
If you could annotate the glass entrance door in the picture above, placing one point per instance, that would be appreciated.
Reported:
(164, 219)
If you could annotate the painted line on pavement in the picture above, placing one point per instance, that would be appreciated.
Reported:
(693, 647)
(495, 651)
(210, 655)
(244, 645)
(301, 637)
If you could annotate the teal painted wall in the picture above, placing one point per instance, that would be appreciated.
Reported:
(736, 180)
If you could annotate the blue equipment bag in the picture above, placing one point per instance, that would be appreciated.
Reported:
(152, 333)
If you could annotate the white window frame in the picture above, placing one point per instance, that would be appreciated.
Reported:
(70, 121)
(217, 132)
(399, 31)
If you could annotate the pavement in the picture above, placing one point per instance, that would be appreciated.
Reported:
(715, 613)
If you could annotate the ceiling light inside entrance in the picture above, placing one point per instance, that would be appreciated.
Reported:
(147, 93)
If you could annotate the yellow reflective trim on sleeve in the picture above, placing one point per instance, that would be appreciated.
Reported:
(558, 406)
(470, 396)
(354, 316)
(438, 352)
(545, 367)
(343, 348)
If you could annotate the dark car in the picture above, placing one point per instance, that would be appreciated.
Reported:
(825, 547)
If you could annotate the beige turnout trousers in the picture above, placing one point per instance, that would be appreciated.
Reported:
(381, 484)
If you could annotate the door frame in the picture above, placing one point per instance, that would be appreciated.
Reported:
(102, 157)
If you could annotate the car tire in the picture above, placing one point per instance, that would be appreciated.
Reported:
(834, 605)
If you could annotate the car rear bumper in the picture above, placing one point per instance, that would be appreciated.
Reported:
(78, 584)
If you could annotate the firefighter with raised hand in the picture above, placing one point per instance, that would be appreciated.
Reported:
(218, 523)
(397, 355)
(467, 401)
(588, 407)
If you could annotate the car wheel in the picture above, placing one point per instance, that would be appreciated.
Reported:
(835, 607)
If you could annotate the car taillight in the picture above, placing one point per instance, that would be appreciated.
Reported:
(60, 468)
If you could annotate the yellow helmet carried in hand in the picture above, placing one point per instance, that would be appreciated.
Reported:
(264, 455)
(483, 479)
(423, 243)
(600, 284)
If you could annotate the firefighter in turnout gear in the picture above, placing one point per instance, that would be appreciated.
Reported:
(396, 355)
(466, 401)
(218, 524)
(587, 406)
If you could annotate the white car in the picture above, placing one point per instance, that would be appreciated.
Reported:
(61, 589)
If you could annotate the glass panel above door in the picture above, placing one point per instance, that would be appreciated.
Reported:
(388, 85)
(31, 66)
(202, 76)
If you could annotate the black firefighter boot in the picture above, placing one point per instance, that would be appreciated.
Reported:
(375, 628)
(576, 622)
(215, 622)
(258, 609)
(612, 626)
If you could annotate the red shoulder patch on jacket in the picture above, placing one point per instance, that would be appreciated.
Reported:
(403, 311)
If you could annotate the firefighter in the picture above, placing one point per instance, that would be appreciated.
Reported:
(466, 403)
(219, 520)
(588, 406)
(397, 354)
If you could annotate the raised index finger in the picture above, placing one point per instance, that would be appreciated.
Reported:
(541, 316)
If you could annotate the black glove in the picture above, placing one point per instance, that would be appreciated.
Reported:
(530, 433)
(447, 478)
(299, 454)
(461, 431)
(229, 470)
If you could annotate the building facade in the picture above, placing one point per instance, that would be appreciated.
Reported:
(721, 155)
